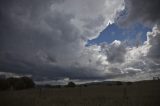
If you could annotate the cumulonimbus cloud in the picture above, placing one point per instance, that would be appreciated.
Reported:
(138, 62)
(47, 39)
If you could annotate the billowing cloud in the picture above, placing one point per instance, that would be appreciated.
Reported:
(154, 41)
(115, 51)
(142, 61)
(132, 63)
(144, 11)
(46, 39)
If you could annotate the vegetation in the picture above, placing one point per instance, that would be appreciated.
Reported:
(71, 84)
(4, 84)
(144, 93)
(119, 83)
(16, 83)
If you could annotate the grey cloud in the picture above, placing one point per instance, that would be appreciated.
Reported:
(138, 62)
(154, 41)
(31, 33)
(115, 52)
(30, 36)
(94, 22)
(146, 57)
(145, 11)
(46, 38)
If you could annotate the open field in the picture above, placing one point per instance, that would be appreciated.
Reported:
(145, 93)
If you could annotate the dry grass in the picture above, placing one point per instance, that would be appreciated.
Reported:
(139, 94)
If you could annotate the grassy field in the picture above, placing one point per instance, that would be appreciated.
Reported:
(138, 94)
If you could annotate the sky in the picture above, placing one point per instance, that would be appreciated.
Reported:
(56, 41)
(112, 32)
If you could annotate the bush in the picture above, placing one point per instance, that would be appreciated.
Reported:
(4, 85)
(85, 85)
(129, 83)
(71, 84)
(119, 83)
(28, 83)
(20, 83)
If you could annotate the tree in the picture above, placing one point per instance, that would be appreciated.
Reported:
(28, 83)
(4, 85)
(119, 83)
(20, 83)
(71, 84)
(129, 83)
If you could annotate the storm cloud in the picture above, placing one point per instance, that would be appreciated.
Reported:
(115, 52)
(145, 11)
(46, 39)
(144, 59)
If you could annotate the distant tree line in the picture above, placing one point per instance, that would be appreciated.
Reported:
(16, 83)
(71, 84)
(26, 83)
(156, 78)
(68, 85)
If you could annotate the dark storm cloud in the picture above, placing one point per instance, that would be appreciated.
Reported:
(45, 38)
(48, 72)
(31, 34)
(146, 11)
(29, 27)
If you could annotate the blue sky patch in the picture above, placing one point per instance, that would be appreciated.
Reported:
(115, 32)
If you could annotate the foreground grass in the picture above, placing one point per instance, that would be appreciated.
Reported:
(138, 94)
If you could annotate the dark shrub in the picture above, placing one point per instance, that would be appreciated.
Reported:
(4, 85)
(52, 86)
(57, 86)
(28, 83)
(85, 85)
(48, 86)
(15, 83)
(129, 83)
(71, 84)
(20, 83)
(119, 83)
(109, 84)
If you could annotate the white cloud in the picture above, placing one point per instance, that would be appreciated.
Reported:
(137, 61)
